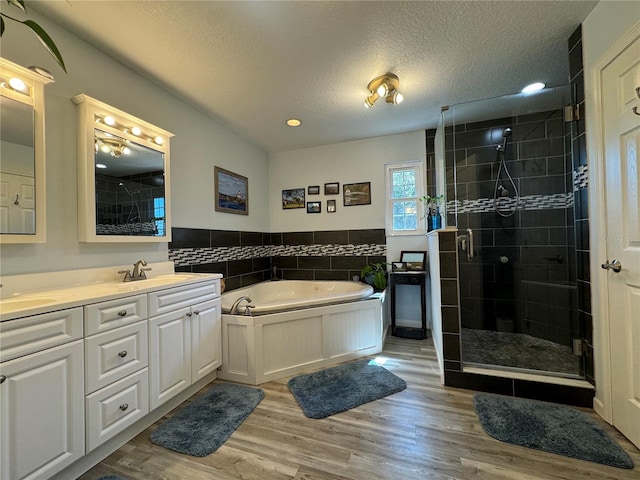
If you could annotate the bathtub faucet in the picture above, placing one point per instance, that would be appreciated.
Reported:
(236, 305)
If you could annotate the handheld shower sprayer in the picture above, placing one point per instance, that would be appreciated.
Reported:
(506, 133)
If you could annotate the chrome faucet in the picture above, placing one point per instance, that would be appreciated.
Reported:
(138, 272)
(234, 308)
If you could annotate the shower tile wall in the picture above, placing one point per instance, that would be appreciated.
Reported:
(524, 260)
(580, 190)
(245, 258)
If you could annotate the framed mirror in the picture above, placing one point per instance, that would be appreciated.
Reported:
(123, 176)
(22, 161)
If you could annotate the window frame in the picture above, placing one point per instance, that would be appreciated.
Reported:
(419, 169)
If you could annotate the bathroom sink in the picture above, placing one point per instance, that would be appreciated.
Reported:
(160, 280)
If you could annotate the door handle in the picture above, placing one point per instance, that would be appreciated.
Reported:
(616, 266)
(470, 251)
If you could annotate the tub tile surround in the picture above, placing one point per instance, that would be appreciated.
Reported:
(245, 258)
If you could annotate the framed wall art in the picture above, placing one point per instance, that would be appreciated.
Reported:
(331, 206)
(293, 198)
(356, 193)
(332, 188)
(314, 207)
(313, 190)
(231, 191)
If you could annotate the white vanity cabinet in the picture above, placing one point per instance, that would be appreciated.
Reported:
(41, 394)
(116, 374)
(185, 338)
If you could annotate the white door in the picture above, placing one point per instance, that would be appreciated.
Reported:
(206, 339)
(169, 356)
(17, 204)
(620, 95)
(42, 412)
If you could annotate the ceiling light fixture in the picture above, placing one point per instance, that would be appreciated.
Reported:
(385, 86)
(294, 122)
(534, 87)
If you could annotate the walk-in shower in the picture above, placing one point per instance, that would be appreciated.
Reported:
(508, 175)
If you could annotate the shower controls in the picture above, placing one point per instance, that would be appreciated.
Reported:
(504, 259)
(616, 266)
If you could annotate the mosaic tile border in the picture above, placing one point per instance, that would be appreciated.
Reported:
(197, 256)
(581, 177)
(529, 202)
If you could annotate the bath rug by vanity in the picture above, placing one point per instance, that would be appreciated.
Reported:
(206, 423)
(111, 477)
(548, 427)
(344, 387)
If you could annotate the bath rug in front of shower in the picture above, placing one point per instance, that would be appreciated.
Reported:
(201, 427)
(548, 427)
(111, 477)
(336, 389)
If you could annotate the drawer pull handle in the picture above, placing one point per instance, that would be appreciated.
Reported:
(122, 353)
(189, 314)
(122, 313)
(197, 312)
(124, 406)
(2, 378)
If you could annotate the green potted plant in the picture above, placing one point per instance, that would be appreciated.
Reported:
(43, 36)
(432, 211)
(375, 274)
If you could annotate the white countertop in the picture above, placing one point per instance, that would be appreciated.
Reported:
(26, 295)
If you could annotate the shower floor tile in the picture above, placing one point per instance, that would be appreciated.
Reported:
(517, 350)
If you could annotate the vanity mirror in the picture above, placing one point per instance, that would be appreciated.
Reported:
(22, 162)
(123, 176)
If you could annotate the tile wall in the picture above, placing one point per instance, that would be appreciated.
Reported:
(245, 258)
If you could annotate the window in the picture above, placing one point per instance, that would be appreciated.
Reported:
(158, 214)
(404, 186)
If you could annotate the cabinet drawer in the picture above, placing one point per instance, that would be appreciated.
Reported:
(103, 316)
(164, 301)
(113, 355)
(114, 408)
(38, 332)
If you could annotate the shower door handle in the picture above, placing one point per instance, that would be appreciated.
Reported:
(470, 249)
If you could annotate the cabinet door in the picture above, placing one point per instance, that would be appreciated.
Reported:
(206, 338)
(169, 356)
(42, 412)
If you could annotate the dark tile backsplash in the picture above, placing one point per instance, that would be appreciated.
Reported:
(245, 258)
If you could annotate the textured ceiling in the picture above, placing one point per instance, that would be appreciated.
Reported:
(253, 65)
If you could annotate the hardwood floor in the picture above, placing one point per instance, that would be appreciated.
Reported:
(424, 432)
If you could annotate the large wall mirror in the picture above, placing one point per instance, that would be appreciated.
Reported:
(123, 176)
(22, 161)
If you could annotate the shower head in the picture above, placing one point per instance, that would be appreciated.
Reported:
(506, 133)
(125, 188)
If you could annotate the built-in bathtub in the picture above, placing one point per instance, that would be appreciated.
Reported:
(297, 326)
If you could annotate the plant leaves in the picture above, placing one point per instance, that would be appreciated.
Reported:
(19, 4)
(46, 40)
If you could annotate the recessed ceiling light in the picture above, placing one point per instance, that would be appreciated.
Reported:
(294, 122)
(100, 165)
(534, 87)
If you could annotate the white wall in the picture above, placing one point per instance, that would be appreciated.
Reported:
(604, 26)
(198, 145)
(349, 162)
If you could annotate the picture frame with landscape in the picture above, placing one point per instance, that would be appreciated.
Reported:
(356, 193)
(293, 198)
(231, 192)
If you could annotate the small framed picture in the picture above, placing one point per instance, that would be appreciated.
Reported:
(314, 207)
(313, 190)
(414, 261)
(356, 193)
(332, 188)
(331, 206)
(398, 267)
(293, 198)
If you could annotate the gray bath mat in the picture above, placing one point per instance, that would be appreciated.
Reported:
(205, 424)
(341, 388)
(548, 427)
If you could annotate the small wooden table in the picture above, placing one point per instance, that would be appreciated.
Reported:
(408, 278)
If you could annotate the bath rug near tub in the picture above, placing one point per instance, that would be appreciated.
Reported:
(111, 477)
(344, 387)
(205, 424)
(548, 427)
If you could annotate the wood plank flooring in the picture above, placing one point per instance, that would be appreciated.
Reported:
(424, 432)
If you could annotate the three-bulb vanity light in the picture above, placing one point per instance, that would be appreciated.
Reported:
(113, 147)
(385, 86)
(131, 130)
